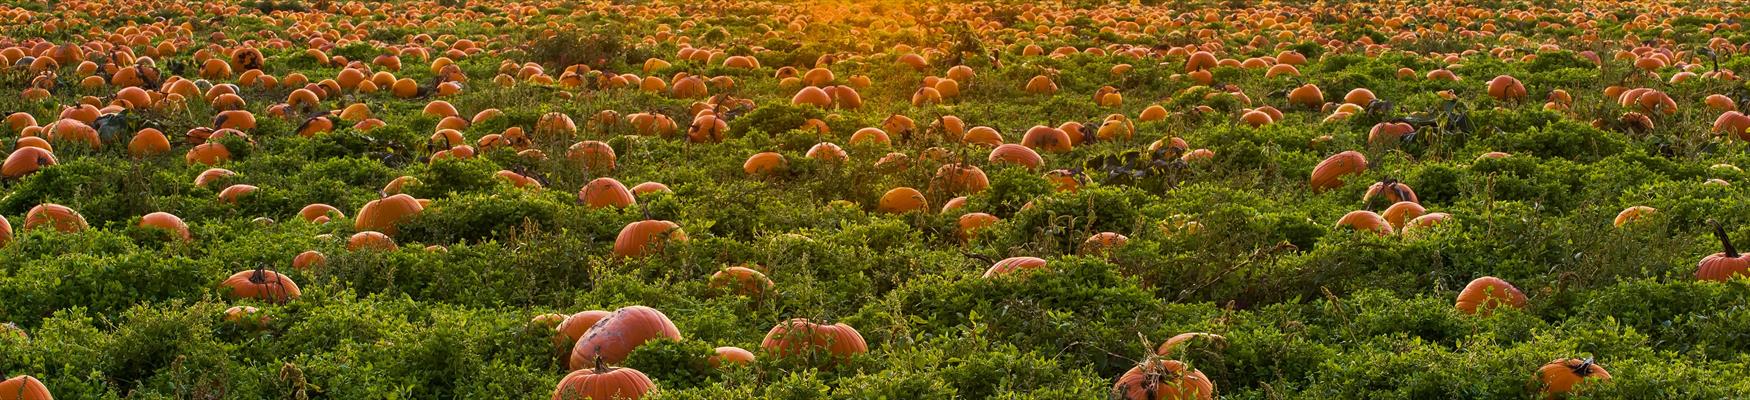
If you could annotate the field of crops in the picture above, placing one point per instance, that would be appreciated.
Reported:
(892, 199)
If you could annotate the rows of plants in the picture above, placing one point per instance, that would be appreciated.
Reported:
(880, 200)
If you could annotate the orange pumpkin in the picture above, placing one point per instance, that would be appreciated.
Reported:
(167, 222)
(730, 355)
(1363, 220)
(1012, 265)
(1561, 375)
(800, 336)
(26, 160)
(606, 192)
(383, 214)
(645, 237)
(902, 200)
(613, 338)
(1329, 173)
(1724, 265)
(1483, 295)
(262, 284)
(24, 387)
(1161, 379)
(371, 240)
(742, 281)
(59, 217)
(602, 383)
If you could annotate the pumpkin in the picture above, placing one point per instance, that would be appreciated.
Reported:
(870, 135)
(1724, 265)
(1506, 88)
(209, 153)
(59, 217)
(1401, 212)
(309, 259)
(262, 284)
(742, 281)
(167, 222)
(614, 337)
(1392, 190)
(1101, 243)
(606, 192)
(24, 387)
(5, 231)
(1016, 154)
(1181, 343)
(26, 160)
(246, 317)
(827, 152)
(727, 355)
(1632, 214)
(1012, 265)
(971, 223)
(1363, 220)
(959, 178)
(575, 325)
(384, 214)
(1484, 294)
(1307, 95)
(231, 194)
(1329, 173)
(1560, 376)
(1161, 379)
(603, 383)
(902, 200)
(800, 336)
(645, 237)
(148, 142)
(650, 187)
(212, 175)
(371, 240)
(1047, 138)
(318, 213)
(763, 163)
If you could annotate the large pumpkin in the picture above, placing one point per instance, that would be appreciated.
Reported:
(26, 160)
(614, 337)
(1561, 375)
(644, 237)
(1012, 265)
(742, 281)
(24, 387)
(1329, 173)
(800, 336)
(262, 284)
(1161, 379)
(383, 214)
(602, 383)
(574, 326)
(1485, 294)
(1722, 266)
(167, 222)
(55, 216)
(1363, 220)
(606, 192)
(959, 178)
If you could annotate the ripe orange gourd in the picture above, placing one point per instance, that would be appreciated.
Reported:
(167, 222)
(26, 160)
(730, 355)
(800, 336)
(1561, 375)
(1632, 214)
(56, 216)
(613, 338)
(599, 382)
(1330, 172)
(647, 237)
(741, 281)
(262, 284)
(606, 192)
(1156, 378)
(1363, 220)
(1724, 265)
(763, 163)
(1013, 265)
(371, 240)
(1483, 295)
(384, 214)
(24, 387)
(902, 200)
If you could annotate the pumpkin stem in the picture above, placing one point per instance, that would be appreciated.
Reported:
(600, 367)
(1584, 369)
(1725, 242)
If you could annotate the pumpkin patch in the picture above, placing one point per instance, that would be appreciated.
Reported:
(888, 199)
